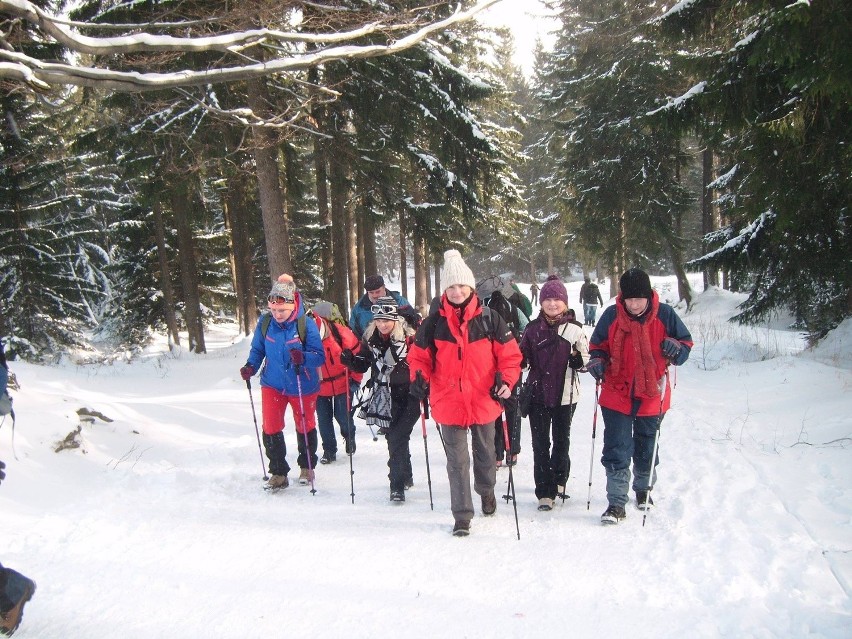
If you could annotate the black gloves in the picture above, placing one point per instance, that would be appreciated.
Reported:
(2, 472)
(347, 358)
(419, 388)
(575, 361)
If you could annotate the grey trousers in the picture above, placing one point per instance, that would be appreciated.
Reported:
(458, 466)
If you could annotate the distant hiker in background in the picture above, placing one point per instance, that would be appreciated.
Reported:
(291, 351)
(534, 292)
(499, 296)
(519, 299)
(383, 350)
(556, 348)
(15, 589)
(361, 315)
(335, 395)
(631, 349)
(590, 295)
(455, 359)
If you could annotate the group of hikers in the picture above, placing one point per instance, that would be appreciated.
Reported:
(464, 363)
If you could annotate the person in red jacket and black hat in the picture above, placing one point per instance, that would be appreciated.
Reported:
(631, 348)
(454, 361)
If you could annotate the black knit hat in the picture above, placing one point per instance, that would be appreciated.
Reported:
(635, 283)
(374, 282)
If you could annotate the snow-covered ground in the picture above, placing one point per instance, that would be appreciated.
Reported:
(157, 526)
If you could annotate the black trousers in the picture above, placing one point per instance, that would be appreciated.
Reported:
(551, 464)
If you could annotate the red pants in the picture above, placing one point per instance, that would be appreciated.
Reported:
(275, 406)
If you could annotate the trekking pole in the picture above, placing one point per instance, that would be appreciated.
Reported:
(564, 494)
(305, 430)
(510, 488)
(423, 413)
(594, 430)
(256, 431)
(351, 439)
(654, 451)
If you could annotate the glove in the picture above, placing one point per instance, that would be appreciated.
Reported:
(247, 371)
(2, 472)
(596, 368)
(671, 348)
(575, 361)
(419, 388)
(297, 356)
(347, 358)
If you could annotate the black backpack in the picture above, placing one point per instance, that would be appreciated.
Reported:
(507, 311)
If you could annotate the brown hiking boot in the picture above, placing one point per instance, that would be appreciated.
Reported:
(489, 503)
(23, 589)
(461, 529)
(277, 482)
(306, 476)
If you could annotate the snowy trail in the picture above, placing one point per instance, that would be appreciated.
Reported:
(165, 531)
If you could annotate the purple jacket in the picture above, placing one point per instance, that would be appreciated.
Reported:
(547, 355)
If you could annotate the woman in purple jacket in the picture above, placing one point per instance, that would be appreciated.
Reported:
(555, 347)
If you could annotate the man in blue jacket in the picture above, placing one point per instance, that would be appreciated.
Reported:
(290, 376)
(362, 313)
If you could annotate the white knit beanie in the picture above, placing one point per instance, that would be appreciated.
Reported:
(455, 271)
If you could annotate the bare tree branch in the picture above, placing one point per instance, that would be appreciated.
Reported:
(40, 75)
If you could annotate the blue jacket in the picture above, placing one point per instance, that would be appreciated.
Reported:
(279, 372)
(361, 314)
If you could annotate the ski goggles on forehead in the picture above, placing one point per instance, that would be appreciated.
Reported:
(384, 309)
(275, 299)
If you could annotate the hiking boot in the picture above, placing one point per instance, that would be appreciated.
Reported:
(397, 495)
(19, 590)
(489, 503)
(277, 482)
(306, 476)
(613, 515)
(328, 457)
(643, 500)
(409, 483)
(381, 430)
(461, 529)
(350, 445)
(545, 504)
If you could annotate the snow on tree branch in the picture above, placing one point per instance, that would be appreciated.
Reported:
(40, 75)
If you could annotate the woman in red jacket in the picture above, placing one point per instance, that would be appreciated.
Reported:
(335, 399)
(631, 348)
(454, 361)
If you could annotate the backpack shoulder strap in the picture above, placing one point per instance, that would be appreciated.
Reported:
(302, 329)
(264, 324)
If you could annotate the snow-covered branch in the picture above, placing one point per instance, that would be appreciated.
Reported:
(39, 75)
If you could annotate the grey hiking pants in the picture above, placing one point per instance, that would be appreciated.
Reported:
(458, 466)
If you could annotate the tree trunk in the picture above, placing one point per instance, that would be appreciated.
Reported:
(338, 233)
(265, 153)
(707, 215)
(166, 278)
(361, 271)
(188, 268)
(403, 257)
(324, 210)
(436, 267)
(235, 209)
(355, 279)
(421, 288)
(368, 234)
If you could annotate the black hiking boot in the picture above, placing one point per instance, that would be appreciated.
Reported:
(613, 515)
(461, 529)
(328, 457)
(397, 495)
(643, 500)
